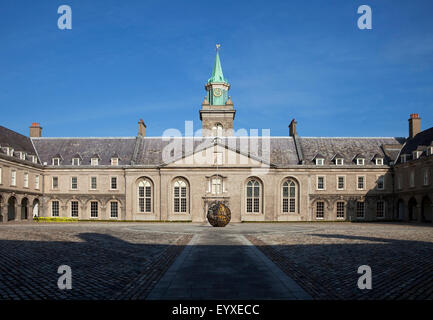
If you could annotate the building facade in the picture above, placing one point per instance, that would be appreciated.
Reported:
(260, 178)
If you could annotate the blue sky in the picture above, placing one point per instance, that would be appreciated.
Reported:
(302, 59)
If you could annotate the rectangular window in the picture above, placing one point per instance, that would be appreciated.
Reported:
(399, 182)
(94, 161)
(26, 180)
(94, 209)
(114, 161)
(113, 183)
(340, 209)
(380, 209)
(256, 205)
(249, 205)
(75, 161)
(114, 209)
(148, 199)
(13, 178)
(74, 208)
(380, 183)
(426, 182)
(339, 161)
(183, 205)
(360, 209)
(292, 205)
(56, 161)
(37, 182)
(340, 182)
(360, 161)
(74, 183)
(412, 179)
(285, 205)
(379, 161)
(55, 184)
(361, 182)
(320, 210)
(319, 162)
(55, 208)
(320, 183)
(93, 183)
(1, 175)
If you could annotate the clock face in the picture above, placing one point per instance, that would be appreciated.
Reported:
(217, 92)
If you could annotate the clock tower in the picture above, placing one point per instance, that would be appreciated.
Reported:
(217, 112)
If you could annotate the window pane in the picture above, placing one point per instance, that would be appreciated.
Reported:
(285, 191)
(114, 209)
(249, 191)
(256, 191)
(292, 191)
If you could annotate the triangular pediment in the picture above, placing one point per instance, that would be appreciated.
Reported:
(217, 155)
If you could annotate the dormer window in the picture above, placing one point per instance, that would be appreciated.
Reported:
(403, 158)
(416, 154)
(379, 161)
(360, 161)
(9, 151)
(21, 155)
(75, 161)
(320, 161)
(34, 159)
(94, 161)
(339, 161)
(430, 151)
(114, 161)
(56, 161)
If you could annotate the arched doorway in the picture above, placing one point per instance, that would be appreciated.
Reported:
(35, 208)
(400, 207)
(413, 214)
(24, 209)
(426, 210)
(11, 208)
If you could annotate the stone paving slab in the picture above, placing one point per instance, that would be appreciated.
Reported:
(325, 262)
(220, 265)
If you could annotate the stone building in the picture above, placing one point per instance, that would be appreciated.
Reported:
(261, 178)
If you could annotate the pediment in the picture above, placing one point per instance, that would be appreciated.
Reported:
(217, 155)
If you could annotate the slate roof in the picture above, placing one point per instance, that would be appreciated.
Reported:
(68, 147)
(421, 141)
(17, 141)
(348, 148)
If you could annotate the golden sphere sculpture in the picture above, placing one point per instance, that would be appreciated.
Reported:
(219, 214)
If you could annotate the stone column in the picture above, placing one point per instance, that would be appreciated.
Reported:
(419, 212)
(17, 212)
(4, 216)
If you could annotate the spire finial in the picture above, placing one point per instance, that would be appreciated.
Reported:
(218, 46)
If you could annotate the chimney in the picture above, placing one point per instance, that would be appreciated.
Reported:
(36, 130)
(414, 125)
(141, 128)
(292, 128)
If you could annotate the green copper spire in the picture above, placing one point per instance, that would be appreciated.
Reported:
(217, 72)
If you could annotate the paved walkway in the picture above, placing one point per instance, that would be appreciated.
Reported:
(222, 265)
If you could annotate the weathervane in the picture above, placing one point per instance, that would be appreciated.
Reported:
(218, 46)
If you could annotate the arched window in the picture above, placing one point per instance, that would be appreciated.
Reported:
(144, 196)
(180, 196)
(253, 196)
(217, 130)
(289, 196)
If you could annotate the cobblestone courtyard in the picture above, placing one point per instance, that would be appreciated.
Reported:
(191, 261)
